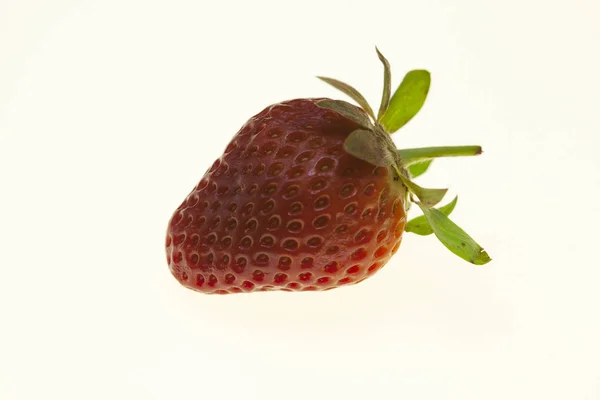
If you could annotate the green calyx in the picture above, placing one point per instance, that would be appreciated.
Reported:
(372, 143)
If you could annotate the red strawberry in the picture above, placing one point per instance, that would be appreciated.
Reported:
(310, 195)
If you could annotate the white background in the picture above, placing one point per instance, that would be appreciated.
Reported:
(111, 111)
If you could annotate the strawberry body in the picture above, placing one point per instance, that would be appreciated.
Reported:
(287, 208)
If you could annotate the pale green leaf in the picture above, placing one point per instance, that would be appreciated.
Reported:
(350, 91)
(420, 225)
(347, 110)
(387, 84)
(419, 168)
(407, 100)
(364, 144)
(454, 238)
(429, 197)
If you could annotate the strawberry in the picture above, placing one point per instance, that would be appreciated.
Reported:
(312, 194)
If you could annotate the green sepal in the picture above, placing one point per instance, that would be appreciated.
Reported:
(387, 84)
(454, 238)
(420, 225)
(419, 168)
(366, 145)
(347, 110)
(407, 100)
(350, 91)
(429, 197)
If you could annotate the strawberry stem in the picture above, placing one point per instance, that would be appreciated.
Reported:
(411, 156)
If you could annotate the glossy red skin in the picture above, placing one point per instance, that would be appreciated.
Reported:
(286, 208)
